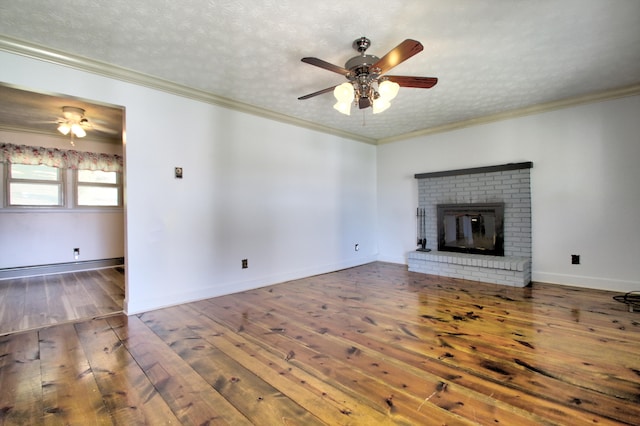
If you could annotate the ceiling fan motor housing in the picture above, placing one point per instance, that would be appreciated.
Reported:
(73, 113)
(361, 76)
(361, 64)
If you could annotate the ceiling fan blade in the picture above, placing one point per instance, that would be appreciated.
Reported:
(92, 125)
(319, 92)
(325, 65)
(103, 129)
(419, 82)
(398, 54)
(47, 122)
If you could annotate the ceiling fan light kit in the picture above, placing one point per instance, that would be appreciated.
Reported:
(380, 105)
(64, 128)
(78, 131)
(367, 85)
(388, 89)
(344, 94)
(72, 122)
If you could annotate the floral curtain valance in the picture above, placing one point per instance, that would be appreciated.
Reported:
(60, 158)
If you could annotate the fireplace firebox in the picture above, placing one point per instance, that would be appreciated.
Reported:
(471, 228)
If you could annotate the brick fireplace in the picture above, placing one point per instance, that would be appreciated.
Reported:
(508, 184)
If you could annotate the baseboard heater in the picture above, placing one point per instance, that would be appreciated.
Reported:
(59, 268)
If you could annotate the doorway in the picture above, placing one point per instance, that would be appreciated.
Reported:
(58, 282)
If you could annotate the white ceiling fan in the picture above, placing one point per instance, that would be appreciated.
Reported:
(74, 123)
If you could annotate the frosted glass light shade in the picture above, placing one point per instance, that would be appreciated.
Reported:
(388, 89)
(64, 128)
(343, 107)
(344, 93)
(380, 104)
(78, 130)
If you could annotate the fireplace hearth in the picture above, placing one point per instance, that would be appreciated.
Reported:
(471, 228)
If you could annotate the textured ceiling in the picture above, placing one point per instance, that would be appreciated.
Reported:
(491, 56)
(40, 113)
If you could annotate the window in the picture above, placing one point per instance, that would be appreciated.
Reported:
(34, 185)
(95, 188)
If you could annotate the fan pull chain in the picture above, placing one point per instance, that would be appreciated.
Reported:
(364, 121)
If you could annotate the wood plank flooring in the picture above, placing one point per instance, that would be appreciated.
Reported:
(34, 302)
(371, 345)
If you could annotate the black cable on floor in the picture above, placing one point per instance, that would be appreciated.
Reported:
(632, 299)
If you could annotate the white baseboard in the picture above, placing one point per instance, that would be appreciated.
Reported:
(596, 283)
(165, 301)
(393, 259)
(59, 268)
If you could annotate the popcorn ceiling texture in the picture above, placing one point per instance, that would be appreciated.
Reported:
(491, 56)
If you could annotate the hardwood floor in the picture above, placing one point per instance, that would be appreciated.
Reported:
(371, 345)
(34, 302)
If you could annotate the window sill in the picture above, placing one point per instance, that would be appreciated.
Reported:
(49, 210)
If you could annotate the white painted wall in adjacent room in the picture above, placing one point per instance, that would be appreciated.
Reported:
(290, 200)
(40, 238)
(584, 187)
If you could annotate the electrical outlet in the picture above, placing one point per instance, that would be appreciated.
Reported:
(76, 253)
(245, 263)
(575, 259)
(356, 247)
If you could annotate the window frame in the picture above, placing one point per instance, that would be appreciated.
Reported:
(9, 179)
(77, 184)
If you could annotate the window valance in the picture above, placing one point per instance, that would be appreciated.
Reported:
(60, 158)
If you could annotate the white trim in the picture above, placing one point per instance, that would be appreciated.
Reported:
(393, 259)
(31, 50)
(596, 283)
(507, 115)
(59, 268)
(153, 303)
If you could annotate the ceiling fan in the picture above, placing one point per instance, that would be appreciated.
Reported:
(74, 122)
(368, 85)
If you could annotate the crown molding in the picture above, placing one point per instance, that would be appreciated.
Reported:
(535, 109)
(23, 48)
(104, 69)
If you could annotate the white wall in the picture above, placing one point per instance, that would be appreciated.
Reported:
(294, 201)
(584, 185)
(290, 200)
(44, 238)
(31, 237)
